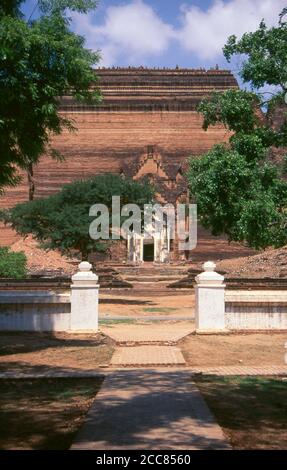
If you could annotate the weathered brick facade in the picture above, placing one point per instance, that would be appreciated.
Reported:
(146, 124)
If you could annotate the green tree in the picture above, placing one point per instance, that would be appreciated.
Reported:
(239, 188)
(62, 221)
(12, 265)
(40, 61)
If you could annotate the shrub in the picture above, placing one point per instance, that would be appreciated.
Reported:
(62, 221)
(12, 265)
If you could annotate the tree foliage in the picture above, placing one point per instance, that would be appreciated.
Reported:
(62, 220)
(12, 265)
(11, 7)
(239, 189)
(265, 52)
(40, 61)
(244, 200)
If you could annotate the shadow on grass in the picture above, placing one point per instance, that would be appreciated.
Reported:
(252, 410)
(25, 342)
(163, 410)
(44, 413)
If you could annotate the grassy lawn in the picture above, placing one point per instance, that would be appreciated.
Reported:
(251, 410)
(108, 322)
(160, 310)
(44, 413)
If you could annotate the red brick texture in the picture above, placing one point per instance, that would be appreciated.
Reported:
(146, 124)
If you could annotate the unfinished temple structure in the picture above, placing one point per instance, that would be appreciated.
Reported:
(146, 125)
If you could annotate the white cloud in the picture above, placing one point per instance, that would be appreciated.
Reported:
(131, 31)
(205, 32)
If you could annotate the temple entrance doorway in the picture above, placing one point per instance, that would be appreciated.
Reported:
(151, 249)
(148, 251)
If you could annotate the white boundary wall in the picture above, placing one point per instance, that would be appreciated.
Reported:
(220, 310)
(34, 311)
(217, 309)
(256, 310)
(75, 311)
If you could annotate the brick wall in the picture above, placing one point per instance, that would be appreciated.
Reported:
(105, 141)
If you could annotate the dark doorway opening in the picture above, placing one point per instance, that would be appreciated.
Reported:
(148, 252)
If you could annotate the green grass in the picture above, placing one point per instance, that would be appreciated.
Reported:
(251, 410)
(44, 413)
(160, 310)
(111, 322)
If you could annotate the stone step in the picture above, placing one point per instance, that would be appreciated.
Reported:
(151, 271)
(150, 278)
(147, 356)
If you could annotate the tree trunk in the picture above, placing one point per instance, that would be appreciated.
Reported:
(31, 181)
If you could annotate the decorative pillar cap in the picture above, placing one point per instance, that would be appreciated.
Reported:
(209, 276)
(85, 266)
(209, 266)
(85, 273)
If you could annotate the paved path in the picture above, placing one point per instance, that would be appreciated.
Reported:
(149, 409)
(241, 370)
(220, 370)
(152, 344)
(147, 356)
(165, 332)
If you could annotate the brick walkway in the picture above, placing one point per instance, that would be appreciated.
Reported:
(152, 343)
(148, 356)
(148, 409)
(221, 370)
(241, 370)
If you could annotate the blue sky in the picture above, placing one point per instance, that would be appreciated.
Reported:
(158, 33)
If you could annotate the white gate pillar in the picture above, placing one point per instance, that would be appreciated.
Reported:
(209, 301)
(84, 299)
